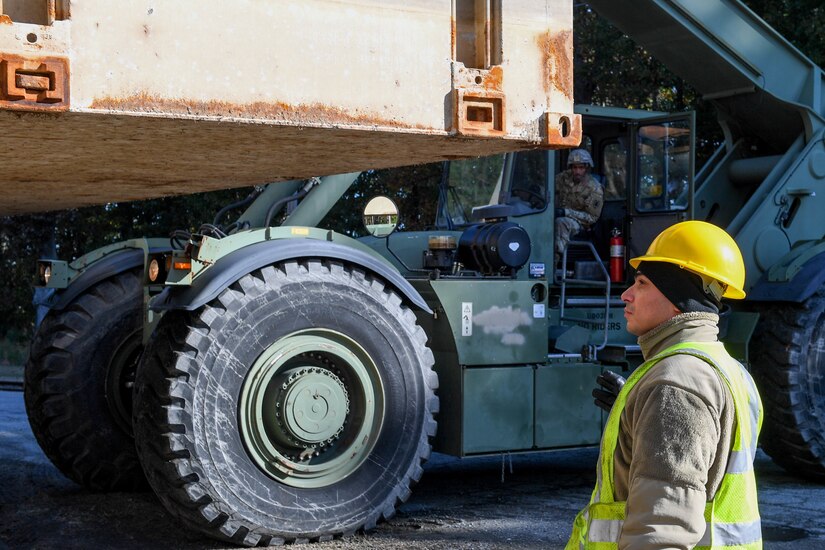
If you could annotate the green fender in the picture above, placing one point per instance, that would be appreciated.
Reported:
(795, 277)
(238, 263)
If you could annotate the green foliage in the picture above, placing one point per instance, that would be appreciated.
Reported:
(801, 22)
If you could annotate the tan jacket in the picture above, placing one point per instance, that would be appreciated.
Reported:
(581, 201)
(675, 434)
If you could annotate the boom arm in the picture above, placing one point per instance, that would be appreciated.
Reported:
(763, 86)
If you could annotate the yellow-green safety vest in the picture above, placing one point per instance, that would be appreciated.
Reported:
(732, 517)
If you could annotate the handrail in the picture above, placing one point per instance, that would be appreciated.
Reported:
(590, 348)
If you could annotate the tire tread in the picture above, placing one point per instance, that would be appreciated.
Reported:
(55, 382)
(793, 435)
(165, 386)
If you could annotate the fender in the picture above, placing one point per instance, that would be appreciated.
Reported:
(238, 263)
(129, 257)
(803, 284)
(108, 266)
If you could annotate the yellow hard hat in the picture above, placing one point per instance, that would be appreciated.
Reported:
(704, 249)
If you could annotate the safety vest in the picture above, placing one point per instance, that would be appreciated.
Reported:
(732, 517)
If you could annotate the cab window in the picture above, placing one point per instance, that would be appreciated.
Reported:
(411, 188)
(614, 166)
(663, 170)
(529, 181)
(471, 182)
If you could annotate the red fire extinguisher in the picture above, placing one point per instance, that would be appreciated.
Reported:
(616, 256)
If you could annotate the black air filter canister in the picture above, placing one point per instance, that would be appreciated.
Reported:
(494, 247)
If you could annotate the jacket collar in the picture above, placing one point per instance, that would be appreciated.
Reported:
(685, 327)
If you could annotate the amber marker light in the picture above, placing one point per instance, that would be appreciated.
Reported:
(183, 265)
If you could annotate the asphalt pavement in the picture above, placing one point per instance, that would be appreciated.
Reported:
(492, 503)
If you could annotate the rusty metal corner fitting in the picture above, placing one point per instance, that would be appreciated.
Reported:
(560, 130)
(478, 113)
(34, 83)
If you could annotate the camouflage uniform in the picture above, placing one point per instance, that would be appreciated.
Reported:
(582, 203)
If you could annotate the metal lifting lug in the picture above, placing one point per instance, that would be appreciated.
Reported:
(34, 83)
(479, 113)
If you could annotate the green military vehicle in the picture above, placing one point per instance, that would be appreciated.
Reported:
(294, 363)
(289, 377)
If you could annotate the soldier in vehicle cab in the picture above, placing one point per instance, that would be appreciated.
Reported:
(579, 199)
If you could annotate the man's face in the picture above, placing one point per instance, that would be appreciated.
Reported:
(645, 307)
(578, 171)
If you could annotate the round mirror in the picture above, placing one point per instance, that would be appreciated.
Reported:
(380, 216)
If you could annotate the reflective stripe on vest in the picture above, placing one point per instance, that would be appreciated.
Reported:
(724, 534)
(732, 517)
(737, 534)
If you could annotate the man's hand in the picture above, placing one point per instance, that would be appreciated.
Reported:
(559, 212)
(612, 384)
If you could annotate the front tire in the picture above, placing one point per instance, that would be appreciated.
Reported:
(298, 405)
(78, 385)
(788, 353)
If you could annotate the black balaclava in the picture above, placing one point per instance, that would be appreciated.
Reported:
(684, 289)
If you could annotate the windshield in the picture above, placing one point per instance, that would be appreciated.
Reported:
(412, 188)
(664, 166)
(471, 182)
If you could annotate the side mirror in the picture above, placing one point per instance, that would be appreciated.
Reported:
(380, 216)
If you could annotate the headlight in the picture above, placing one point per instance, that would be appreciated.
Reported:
(154, 270)
(46, 274)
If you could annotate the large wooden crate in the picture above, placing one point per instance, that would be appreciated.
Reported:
(112, 100)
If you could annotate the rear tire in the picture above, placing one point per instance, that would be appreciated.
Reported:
(788, 352)
(297, 405)
(78, 382)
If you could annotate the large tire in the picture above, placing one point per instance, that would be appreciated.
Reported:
(788, 354)
(78, 384)
(298, 405)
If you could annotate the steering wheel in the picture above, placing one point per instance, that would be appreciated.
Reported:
(535, 198)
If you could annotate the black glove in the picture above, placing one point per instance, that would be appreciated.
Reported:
(612, 384)
(559, 212)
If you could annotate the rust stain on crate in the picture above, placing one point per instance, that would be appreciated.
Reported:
(452, 37)
(58, 10)
(494, 79)
(316, 114)
(557, 61)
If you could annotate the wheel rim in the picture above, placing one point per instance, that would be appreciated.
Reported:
(120, 380)
(311, 408)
